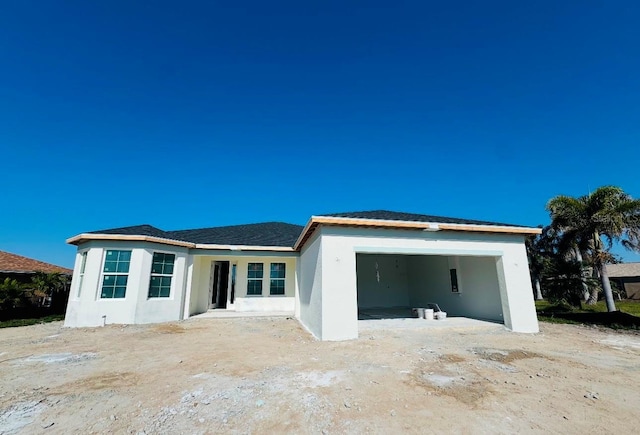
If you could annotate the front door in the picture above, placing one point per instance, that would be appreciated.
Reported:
(220, 284)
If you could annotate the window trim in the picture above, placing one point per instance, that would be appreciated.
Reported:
(81, 272)
(261, 280)
(283, 279)
(103, 274)
(162, 275)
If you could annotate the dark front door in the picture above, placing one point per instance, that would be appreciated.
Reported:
(221, 283)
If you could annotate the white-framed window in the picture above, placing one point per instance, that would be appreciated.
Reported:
(161, 273)
(115, 274)
(277, 279)
(255, 273)
(83, 265)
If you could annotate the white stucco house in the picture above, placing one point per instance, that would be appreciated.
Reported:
(328, 273)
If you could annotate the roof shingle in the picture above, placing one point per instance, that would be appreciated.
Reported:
(17, 263)
(413, 217)
(623, 270)
(136, 230)
(261, 234)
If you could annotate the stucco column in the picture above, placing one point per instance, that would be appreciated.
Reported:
(186, 294)
(339, 291)
(518, 306)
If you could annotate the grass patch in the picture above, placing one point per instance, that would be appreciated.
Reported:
(26, 322)
(629, 307)
(552, 319)
(627, 316)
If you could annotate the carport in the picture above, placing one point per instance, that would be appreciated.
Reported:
(390, 285)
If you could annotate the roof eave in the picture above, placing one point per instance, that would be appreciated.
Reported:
(409, 225)
(27, 272)
(308, 228)
(85, 237)
(243, 247)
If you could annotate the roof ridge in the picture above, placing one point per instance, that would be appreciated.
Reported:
(236, 225)
(131, 226)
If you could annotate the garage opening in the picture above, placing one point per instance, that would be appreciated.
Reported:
(390, 285)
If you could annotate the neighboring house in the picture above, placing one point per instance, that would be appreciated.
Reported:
(627, 278)
(22, 269)
(324, 273)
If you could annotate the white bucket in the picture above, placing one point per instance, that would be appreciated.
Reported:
(428, 314)
(420, 312)
(441, 315)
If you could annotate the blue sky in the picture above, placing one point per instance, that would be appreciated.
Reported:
(194, 114)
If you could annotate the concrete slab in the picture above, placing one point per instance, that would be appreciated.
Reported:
(413, 323)
(229, 314)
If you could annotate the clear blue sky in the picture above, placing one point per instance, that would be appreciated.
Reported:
(192, 114)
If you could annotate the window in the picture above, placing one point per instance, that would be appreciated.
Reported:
(277, 279)
(255, 273)
(83, 264)
(161, 272)
(116, 272)
(454, 281)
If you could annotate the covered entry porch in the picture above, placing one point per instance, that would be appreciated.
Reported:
(221, 284)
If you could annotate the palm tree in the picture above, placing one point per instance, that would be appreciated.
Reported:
(12, 294)
(44, 284)
(537, 255)
(592, 223)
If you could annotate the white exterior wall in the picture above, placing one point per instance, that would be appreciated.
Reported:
(309, 310)
(518, 305)
(201, 283)
(199, 290)
(339, 245)
(88, 309)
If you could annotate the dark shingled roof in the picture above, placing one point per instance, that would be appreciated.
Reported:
(262, 234)
(273, 233)
(136, 230)
(412, 217)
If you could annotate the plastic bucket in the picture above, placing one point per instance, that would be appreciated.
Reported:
(428, 314)
(441, 315)
(420, 312)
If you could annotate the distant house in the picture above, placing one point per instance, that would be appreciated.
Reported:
(22, 269)
(327, 274)
(627, 277)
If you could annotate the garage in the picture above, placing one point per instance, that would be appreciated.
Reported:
(390, 285)
(381, 264)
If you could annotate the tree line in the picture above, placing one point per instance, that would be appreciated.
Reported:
(568, 260)
(18, 297)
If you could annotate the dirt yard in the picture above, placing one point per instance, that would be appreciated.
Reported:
(267, 375)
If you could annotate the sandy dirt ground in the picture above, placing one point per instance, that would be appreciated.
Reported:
(267, 375)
